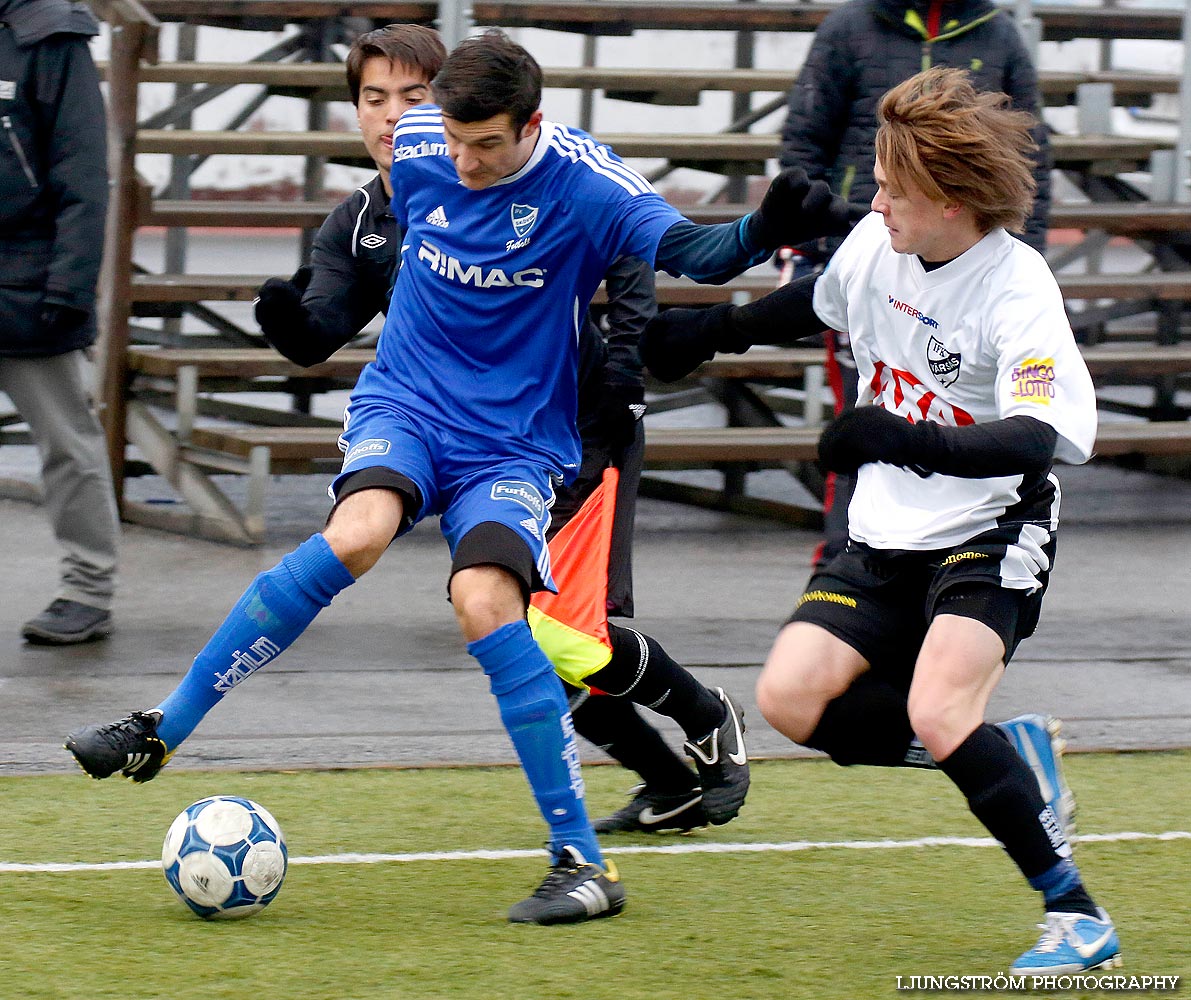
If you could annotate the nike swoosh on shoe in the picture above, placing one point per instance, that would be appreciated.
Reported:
(648, 817)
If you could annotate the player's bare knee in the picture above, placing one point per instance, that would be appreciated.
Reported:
(791, 696)
(940, 724)
(361, 528)
(485, 597)
(806, 669)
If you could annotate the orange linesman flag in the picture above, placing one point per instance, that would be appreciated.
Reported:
(572, 625)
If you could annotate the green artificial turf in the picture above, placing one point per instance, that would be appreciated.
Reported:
(828, 922)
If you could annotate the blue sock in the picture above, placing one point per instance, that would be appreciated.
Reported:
(1057, 881)
(534, 711)
(271, 614)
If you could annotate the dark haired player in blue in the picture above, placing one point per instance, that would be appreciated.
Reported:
(510, 222)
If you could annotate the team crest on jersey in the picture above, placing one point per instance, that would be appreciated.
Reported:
(524, 217)
(943, 364)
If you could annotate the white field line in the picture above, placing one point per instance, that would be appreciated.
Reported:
(788, 847)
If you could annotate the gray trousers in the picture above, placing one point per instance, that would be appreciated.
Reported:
(53, 396)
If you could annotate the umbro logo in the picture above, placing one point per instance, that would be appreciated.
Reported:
(438, 218)
(373, 240)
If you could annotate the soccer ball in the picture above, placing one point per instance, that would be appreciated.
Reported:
(225, 857)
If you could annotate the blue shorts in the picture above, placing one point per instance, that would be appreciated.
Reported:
(458, 478)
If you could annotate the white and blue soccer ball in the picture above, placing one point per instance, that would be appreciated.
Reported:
(225, 857)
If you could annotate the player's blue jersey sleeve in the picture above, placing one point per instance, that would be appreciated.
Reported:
(710, 254)
(417, 141)
(623, 214)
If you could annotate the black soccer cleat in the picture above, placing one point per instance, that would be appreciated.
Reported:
(723, 764)
(130, 746)
(653, 812)
(574, 889)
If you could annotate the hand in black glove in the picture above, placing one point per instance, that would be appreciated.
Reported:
(869, 434)
(797, 210)
(283, 321)
(676, 341)
(58, 320)
(617, 411)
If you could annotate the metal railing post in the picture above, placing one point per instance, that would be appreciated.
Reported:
(1182, 168)
(454, 21)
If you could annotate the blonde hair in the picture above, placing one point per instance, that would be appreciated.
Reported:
(961, 146)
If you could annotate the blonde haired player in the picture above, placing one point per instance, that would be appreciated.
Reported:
(971, 386)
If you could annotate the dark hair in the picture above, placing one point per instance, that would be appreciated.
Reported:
(488, 75)
(410, 45)
(957, 144)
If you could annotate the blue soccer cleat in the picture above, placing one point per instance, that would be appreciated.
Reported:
(1072, 942)
(1038, 741)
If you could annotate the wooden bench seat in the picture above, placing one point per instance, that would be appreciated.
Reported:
(1137, 220)
(622, 17)
(179, 288)
(190, 453)
(1172, 286)
(686, 446)
(760, 363)
(715, 151)
(673, 86)
(241, 362)
(262, 451)
(235, 213)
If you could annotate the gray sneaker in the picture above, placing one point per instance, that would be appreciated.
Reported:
(65, 622)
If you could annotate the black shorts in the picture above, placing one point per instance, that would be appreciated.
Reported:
(881, 602)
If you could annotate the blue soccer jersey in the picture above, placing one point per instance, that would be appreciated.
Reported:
(481, 337)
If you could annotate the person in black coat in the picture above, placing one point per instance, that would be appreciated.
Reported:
(53, 200)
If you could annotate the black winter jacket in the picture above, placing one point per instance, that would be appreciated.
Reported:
(53, 173)
(865, 48)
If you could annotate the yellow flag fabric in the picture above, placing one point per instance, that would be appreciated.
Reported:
(572, 625)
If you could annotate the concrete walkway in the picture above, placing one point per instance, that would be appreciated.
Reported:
(382, 678)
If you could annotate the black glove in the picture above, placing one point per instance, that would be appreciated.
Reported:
(58, 320)
(285, 324)
(617, 411)
(870, 434)
(797, 210)
(676, 341)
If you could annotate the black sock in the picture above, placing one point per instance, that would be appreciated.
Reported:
(1003, 794)
(869, 724)
(644, 672)
(617, 728)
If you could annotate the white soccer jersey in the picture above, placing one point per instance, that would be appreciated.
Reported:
(980, 338)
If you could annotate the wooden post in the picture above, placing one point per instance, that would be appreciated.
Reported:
(134, 37)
